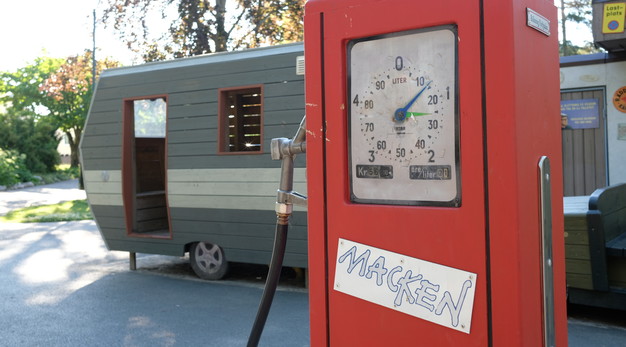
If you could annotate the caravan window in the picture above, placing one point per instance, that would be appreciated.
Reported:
(241, 120)
(150, 117)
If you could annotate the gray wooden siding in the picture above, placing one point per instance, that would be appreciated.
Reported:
(227, 188)
(245, 235)
(192, 109)
(249, 188)
(103, 187)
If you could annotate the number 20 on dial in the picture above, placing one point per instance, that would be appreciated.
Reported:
(403, 118)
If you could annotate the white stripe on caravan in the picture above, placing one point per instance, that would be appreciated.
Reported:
(246, 188)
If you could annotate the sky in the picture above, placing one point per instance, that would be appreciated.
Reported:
(62, 28)
(54, 28)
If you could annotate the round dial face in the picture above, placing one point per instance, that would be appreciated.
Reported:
(403, 118)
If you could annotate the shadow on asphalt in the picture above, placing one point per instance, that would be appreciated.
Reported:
(597, 315)
(249, 274)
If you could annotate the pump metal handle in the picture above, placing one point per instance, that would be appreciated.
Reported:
(285, 150)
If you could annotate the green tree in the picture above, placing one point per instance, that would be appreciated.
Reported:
(202, 26)
(21, 130)
(55, 90)
(19, 90)
(33, 139)
(275, 22)
(12, 168)
(67, 94)
(575, 11)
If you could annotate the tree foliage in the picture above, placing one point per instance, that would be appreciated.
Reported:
(67, 94)
(25, 138)
(31, 140)
(580, 12)
(12, 168)
(203, 26)
(51, 92)
(19, 90)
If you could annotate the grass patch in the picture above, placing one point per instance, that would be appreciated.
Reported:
(61, 212)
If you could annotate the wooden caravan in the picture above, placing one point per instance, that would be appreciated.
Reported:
(176, 156)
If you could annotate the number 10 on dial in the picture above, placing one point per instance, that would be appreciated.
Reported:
(403, 118)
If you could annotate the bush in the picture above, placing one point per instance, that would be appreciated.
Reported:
(34, 138)
(59, 175)
(13, 168)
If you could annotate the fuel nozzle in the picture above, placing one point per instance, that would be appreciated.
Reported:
(286, 150)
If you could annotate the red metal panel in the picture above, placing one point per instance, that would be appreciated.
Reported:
(501, 245)
(318, 275)
(522, 93)
(453, 237)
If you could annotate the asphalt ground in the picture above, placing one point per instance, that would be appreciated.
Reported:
(40, 195)
(60, 286)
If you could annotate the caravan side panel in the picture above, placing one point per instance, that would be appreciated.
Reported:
(227, 199)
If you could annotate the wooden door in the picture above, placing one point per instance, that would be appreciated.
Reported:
(584, 150)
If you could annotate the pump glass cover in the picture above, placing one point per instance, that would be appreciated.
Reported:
(403, 118)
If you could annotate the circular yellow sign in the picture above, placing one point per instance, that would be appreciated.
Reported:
(619, 99)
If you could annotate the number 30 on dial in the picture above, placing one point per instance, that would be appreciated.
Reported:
(403, 118)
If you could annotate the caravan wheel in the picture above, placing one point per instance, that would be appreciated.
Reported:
(208, 261)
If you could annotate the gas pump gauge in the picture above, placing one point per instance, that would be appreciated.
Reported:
(403, 118)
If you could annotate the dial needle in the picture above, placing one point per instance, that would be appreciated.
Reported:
(401, 113)
(417, 114)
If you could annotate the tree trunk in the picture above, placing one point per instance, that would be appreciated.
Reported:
(221, 35)
(74, 139)
(565, 50)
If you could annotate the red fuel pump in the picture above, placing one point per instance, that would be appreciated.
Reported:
(434, 215)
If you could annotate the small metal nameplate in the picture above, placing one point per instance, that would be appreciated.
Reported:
(537, 22)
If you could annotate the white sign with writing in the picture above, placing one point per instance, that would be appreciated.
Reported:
(436, 293)
(537, 22)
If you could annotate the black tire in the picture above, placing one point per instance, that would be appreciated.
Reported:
(208, 260)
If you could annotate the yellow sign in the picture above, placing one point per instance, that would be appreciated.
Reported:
(613, 18)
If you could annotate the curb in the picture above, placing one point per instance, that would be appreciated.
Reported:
(17, 186)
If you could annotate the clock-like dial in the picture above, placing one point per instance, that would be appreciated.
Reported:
(403, 118)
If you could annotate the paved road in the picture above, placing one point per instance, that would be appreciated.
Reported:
(40, 195)
(59, 286)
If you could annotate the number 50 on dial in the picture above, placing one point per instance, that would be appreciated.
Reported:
(403, 118)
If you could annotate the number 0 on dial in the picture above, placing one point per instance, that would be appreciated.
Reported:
(403, 118)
